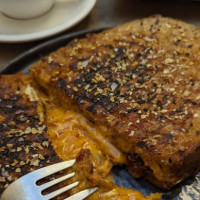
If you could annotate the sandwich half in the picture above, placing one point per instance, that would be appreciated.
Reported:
(139, 84)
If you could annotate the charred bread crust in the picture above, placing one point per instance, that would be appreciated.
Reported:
(141, 80)
(24, 144)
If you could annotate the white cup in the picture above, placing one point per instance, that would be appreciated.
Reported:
(25, 9)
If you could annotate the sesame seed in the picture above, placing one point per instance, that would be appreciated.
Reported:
(50, 59)
(10, 145)
(22, 163)
(138, 121)
(114, 86)
(75, 89)
(166, 71)
(169, 60)
(132, 133)
(130, 123)
(134, 76)
(172, 89)
(18, 170)
(143, 116)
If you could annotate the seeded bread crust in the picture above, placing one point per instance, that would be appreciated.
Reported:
(24, 144)
(141, 80)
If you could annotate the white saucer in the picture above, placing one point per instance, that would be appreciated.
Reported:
(63, 15)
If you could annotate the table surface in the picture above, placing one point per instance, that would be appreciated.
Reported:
(107, 13)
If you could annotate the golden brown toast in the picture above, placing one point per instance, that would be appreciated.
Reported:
(140, 83)
(24, 144)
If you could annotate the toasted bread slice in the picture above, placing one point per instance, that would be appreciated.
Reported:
(141, 81)
(24, 144)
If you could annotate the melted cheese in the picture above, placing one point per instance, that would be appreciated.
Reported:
(70, 133)
(75, 132)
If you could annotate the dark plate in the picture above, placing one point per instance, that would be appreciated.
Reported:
(187, 190)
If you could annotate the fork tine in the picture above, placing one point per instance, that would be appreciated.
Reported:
(46, 171)
(60, 191)
(58, 180)
(83, 194)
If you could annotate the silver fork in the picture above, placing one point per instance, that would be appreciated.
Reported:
(25, 188)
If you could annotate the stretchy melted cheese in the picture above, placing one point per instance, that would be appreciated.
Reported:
(70, 134)
(36, 132)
